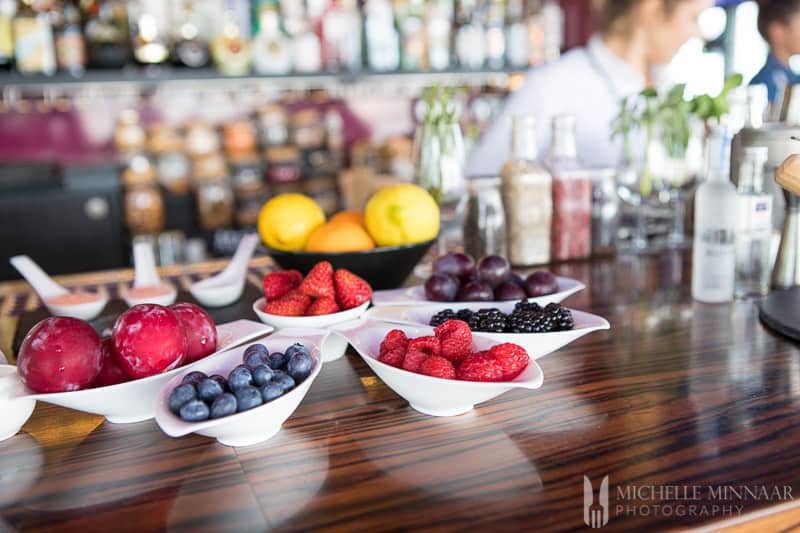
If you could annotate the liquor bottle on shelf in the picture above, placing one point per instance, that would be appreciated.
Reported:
(340, 36)
(536, 33)
(495, 34)
(382, 39)
(517, 44)
(754, 229)
(33, 41)
(572, 194)
(527, 197)
(470, 41)
(148, 25)
(190, 48)
(438, 25)
(272, 52)
(553, 20)
(70, 46)
(307, 50)
(8, 8)
(230, 50)
(410, 22)
(106, 34)
(715, 214)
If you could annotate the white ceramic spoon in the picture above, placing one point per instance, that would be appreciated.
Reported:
(227, 286)
(147, 286)
(58, 300)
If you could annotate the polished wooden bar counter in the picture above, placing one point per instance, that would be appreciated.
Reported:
(691, 410)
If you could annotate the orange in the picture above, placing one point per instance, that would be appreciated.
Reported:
(354, 217)
(339, 237)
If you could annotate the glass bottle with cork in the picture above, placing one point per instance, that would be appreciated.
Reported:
(70, 45)
(33, 41)
(572, 194)
(527, 197)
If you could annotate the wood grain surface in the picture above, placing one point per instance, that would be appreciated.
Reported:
(677, 394)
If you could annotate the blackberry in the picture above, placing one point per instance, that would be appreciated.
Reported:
(552, 308)
(441, 317)
(524, 305)
(464, 314)
(529, 322)
(473, 322)
(492, 312)
(563, 319)
(492, 324)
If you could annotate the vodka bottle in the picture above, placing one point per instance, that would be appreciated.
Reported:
(714, 249)
(754, 228)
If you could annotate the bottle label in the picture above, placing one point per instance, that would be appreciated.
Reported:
(715, 255)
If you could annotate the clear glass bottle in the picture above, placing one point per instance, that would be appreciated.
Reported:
(527, 197)
(517, 43)
(340, 33)
(191, 49)
(414, 55)
(382, 39)
(485, 218)
(572, 194)
(495, 35)
(438, 25)
(70, 45)
(8, 8)
(33, 41)
(553, 20)
(754, 226)
(272, 49)
(470, 41)
(148, 24)
(715, 213)
(230, 50)
(106, 34)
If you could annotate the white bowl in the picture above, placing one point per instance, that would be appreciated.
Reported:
(86, 311)
(536, 344)
(217, 295)
(127, 402)
(337, 345)
(16, 408)
(416, 295)
(429, 395)
(257, 424)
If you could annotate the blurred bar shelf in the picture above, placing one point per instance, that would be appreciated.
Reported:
(148, 78)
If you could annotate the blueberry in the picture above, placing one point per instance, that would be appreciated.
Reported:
(277, 360)
(221, 380)
(299, 366)
(283, 379)
(181, 395)
(270, 391)
(194, 411)
(252, 360)
(294, 348)
(240, 377)
(261, 375)
(224, 405)
(260, 349)
(248, 397)
(193, 377)
(209, 389)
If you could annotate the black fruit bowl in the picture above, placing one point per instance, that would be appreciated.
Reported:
(383, 268)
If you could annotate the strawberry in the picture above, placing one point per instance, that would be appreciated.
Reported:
(438, 367)
(480, 367)
(351, 290)
(292, 304)
(319, 282)
(277, 284)
(322, 306)
(513, 358)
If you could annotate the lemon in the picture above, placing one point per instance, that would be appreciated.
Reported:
(286, 221)
(402, 214)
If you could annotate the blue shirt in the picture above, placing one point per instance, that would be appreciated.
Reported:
(775, 75)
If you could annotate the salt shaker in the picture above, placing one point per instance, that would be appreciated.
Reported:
(484, 218)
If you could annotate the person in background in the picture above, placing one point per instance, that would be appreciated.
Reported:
(779, 25)
(636, 38)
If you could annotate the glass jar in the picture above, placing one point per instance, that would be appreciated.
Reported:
(201, 138)
(239, 137)
(308, 130)
(129, 135)
(209, 167)
(172, 164)
(144, 209)
(283, 165)
(215, 204)
(246, 174)
(484, 218)
(273, 126)
(605, 211)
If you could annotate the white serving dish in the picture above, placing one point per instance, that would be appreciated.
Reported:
(227, 286)
(257, 424)
(416, 295)
(429, 395)
(337, 344)
(536, 344)
(127, 402)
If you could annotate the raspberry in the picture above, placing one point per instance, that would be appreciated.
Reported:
(455, 338)
(429, 345)
(394, 339)
(480, 367)
(513, 358)
(437, 367)
(393, 357)
(413, 360)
